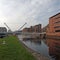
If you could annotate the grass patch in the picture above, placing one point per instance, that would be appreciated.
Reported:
(13, 50)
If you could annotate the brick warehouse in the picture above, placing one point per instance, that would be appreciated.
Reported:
(36, 28)
(33, 29)
(54, 26)
(26, 30)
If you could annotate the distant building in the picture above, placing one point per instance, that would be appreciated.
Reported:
(3, 32)
(31, 29)
(3, 29)
(36, 28)
(54, 25)
(44, 29)
(26, 30)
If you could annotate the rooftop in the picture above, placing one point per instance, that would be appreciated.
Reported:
(55, 15)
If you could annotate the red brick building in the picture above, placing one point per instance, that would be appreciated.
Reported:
(54, 26)
(31, 29)
(45, 28)
(36, 28)
(26, 30)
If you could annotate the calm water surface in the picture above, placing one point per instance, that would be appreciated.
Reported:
(47, 47)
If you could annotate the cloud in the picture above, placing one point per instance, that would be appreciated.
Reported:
(33, 12)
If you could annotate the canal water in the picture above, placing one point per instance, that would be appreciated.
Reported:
(46, 47)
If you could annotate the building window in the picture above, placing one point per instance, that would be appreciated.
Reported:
(57, 30)
(57, 17)
(57, 47)
(57, 27)
(57, 22)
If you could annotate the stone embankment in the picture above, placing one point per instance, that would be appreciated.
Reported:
(38, 56)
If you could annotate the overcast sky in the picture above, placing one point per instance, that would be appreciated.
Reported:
(16, 12)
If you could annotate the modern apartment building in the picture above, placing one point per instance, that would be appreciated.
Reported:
(45, 28)
(54, 25)
(26, 30)
(36, 28)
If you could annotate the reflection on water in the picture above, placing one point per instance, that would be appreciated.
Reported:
(40, 47)
(54, 48)
(46, 47)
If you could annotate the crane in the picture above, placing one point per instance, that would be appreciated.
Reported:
(8, 27)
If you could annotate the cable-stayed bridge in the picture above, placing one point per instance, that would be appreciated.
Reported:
(24, 34)
(19, 32)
